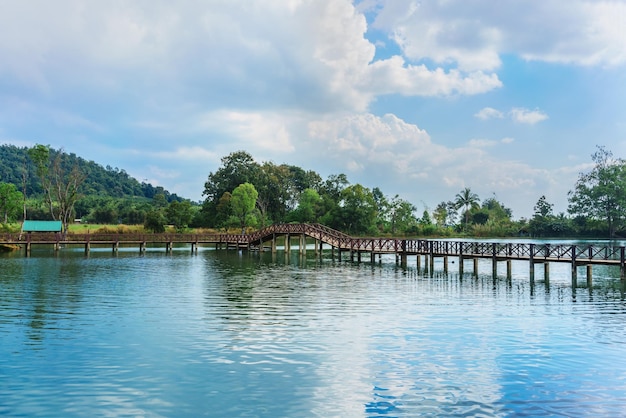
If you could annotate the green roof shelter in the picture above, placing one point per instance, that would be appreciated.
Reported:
(42, 226)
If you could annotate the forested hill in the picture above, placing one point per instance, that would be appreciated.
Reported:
(100, 181)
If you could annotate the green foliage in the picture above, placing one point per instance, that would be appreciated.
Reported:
(309, 206)
(155, 221)
(468, 200)
(242, 204)
(24, 167)
(180, 214)
(10, 202)
(601, 193)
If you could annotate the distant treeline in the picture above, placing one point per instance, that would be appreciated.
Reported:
(99, 181)
(244, 193)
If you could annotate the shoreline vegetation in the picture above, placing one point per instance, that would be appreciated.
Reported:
(244, 195)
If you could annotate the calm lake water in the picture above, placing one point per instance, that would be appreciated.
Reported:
(229, 334)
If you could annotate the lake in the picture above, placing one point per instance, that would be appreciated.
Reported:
(238, 334)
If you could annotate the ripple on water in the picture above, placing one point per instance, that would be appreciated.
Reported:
(237, 334)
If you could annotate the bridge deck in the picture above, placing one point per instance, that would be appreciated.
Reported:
(532, 252)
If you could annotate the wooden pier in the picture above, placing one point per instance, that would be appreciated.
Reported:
(268, 239)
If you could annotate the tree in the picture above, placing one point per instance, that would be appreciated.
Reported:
(601, 193)
(539, 224)
(60, 180)
(401, 214)
(308, 207)
(179, 214)
(155, 221)
(468, 200)
(357, 210)
(10, 202)
(237, 168)
(242, 202)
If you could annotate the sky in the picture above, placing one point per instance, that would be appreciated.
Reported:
(419, 98)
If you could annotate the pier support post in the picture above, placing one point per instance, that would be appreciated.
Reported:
(622, 262)
(546, 270)
(372, 258)
(475, 261)
(445, 264)
(589, 275)
(461, 266)
(419, 262)
(509, 269)
(86, 248)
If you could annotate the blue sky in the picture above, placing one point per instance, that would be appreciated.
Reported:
(419, 98)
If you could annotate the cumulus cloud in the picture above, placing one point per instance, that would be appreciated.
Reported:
(310, 55)
(530, 117)
(489, 113)
(517, 114)
(473, 35)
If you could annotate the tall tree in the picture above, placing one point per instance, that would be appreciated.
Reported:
(357, 210)
(243, 202)
(179, 214)
(10, 202)
(601, 193)
(237, 168)
(61, 182)
(468, 200)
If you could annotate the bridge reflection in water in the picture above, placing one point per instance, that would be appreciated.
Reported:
(425, 250)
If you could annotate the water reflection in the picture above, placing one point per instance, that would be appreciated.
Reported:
(243, 334)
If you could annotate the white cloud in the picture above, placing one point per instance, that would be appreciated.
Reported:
(530, 117)
(309, 55)
(473, 35)
(395, 155)
(517, 114)
(489, 113)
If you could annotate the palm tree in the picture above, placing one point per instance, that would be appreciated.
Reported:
(466, 199)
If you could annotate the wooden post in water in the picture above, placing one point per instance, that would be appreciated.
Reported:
(431, 249)
(475, 261)
(419, 262)
(574, 268)
(589, 275)
(532, 263)
(445, 264)
(546, 270)
(494, 260)
(509, 269)
(622, 262)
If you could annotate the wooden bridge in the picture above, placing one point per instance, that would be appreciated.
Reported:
(267, 239)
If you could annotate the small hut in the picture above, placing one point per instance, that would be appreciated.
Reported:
(42, 226)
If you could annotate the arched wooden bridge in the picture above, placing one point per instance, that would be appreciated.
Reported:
(267, 239)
